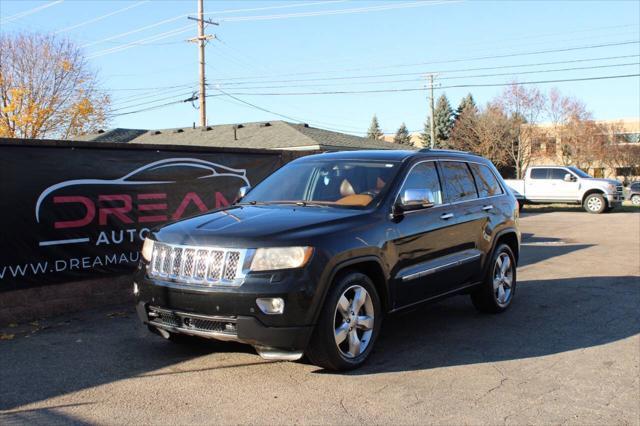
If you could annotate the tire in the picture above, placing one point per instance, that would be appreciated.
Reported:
(488, 297)
(595, 203)
(520, 205)
(635, 200)
(338, 320)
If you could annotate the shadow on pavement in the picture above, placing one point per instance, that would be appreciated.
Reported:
(547, 317)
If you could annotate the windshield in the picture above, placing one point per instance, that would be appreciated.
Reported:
(329, 182)
(579, 172)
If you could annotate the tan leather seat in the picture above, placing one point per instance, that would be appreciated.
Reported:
(346, 188)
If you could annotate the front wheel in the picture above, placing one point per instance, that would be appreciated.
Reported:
(635, 200)
(496, 292)
(349, 324)
(595, 203)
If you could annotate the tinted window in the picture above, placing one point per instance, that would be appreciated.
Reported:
(558, 174)
(486, 181)
(635, 186)
(457, 181)
(424, 176)
(539, 173)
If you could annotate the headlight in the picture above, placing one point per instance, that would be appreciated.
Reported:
(147, 249)
(269, 259)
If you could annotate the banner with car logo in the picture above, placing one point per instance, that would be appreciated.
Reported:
(81, 210)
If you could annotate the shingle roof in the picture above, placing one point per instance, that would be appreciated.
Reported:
(262, 135)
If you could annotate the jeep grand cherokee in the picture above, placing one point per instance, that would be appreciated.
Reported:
(311, 259)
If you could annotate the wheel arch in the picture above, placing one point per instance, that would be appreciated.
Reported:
(370, 266)
(509, 237)
(593, 191)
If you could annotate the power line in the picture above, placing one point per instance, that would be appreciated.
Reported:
(22, 14)
(258, 107)
(477, 58)
(178, 17)
(155, 37)
(445, 71)
(340, 11)
(348, 92)
(100, 18)
(444, 78)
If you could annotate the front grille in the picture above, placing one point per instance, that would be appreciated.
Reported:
(619, 189)
(186, 321)
(197, 265)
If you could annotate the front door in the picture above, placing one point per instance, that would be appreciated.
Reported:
(563, 190)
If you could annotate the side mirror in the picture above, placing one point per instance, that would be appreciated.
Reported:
(415, 199)
(569, 177)
(244, 190)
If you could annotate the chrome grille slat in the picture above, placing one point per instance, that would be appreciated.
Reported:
(198, 266)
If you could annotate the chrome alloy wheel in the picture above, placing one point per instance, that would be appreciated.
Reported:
(353, 321)
(635, 200)
(594, 204)
(503, 279)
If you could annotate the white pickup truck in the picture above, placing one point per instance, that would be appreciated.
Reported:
(560, 184)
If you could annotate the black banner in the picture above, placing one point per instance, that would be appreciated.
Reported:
(76, 211)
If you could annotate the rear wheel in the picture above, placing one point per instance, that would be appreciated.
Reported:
(595, 203)
(495, 294)
(348, 325)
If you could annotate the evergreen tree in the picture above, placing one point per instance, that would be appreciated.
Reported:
(402, 136)
(443, 118)
(467, 103)
(374, 131)
(443, 121)
(425, 136)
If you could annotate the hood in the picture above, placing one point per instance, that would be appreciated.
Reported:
(605, 181)
(238, 226)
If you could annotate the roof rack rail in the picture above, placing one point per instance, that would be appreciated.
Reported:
(455, 151)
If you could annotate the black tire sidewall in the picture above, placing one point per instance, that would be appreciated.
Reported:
(487, 288)
(325, 327)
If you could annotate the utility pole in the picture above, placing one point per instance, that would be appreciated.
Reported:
(431, 126)
(202, 39)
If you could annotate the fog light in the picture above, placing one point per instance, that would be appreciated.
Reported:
(271, 305)
(136, 291)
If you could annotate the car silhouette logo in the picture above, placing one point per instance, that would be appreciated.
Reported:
(165, 171)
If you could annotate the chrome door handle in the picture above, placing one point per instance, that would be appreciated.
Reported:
(446, 216)
(487, 208)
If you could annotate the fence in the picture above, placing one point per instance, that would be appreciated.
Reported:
(79, 210)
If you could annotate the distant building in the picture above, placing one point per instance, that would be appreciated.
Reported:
(548, 149)
(259, 135)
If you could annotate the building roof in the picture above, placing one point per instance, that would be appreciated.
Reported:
(261, 135)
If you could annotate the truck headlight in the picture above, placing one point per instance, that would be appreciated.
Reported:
(269, 259)
(147, 249)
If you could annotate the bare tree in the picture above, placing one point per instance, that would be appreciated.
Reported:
(622, 157)
(47, 89)
(486, 133)
(524, 107)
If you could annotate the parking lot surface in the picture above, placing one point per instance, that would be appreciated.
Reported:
(567, 351)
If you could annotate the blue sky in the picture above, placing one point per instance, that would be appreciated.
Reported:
(142, 58)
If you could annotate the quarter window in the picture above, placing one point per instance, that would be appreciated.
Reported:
(457, 181)
(424, 176)
(486, 181)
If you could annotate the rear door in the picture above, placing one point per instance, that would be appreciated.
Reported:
(466, 224)
(538, 185)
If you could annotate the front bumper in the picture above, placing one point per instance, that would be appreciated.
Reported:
(231, 313)
(615, 200)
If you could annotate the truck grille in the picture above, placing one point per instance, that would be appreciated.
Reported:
(198, 266)
(619, 189)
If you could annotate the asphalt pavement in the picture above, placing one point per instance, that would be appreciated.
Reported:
(567, 351)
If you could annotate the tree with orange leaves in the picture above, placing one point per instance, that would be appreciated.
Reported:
(47, 89)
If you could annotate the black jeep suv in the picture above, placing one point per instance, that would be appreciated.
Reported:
(311, 259)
